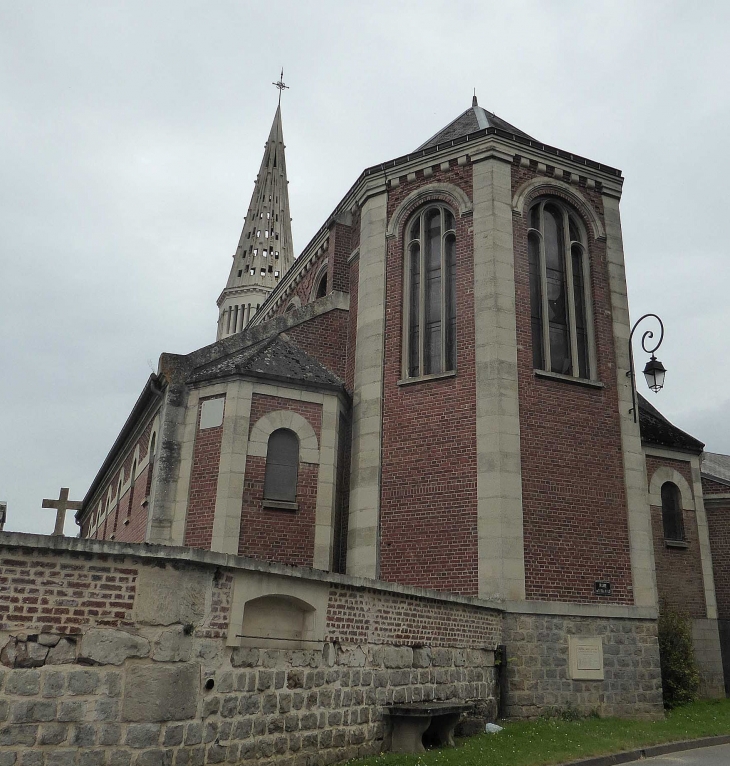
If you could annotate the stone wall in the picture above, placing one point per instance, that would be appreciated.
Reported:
(538, 677)
(129, 655)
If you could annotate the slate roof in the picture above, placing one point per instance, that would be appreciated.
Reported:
(716, 466)
(657, 430)
(473, 119)
(277, 358)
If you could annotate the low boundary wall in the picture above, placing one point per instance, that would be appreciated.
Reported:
(116, 654)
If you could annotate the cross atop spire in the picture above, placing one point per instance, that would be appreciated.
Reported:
(280, 85)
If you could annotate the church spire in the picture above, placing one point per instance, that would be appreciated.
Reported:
(264, 253)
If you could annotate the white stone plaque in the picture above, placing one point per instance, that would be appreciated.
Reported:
(211, 413)
(585, 658)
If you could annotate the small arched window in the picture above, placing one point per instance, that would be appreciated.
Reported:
(559, 291)
(322, 287)
(282, 466)
(430, 295)
(672, 512)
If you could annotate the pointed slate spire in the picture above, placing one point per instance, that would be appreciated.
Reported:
(264, 253)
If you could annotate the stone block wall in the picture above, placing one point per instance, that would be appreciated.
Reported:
(121, 655)
(538, 677)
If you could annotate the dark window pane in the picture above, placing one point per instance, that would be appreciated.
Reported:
(413, 311)
(559, 349)
(574, 231)
(416, 229)
(553, 235)
(556, 293)
(450, 294)
(448, 220)
(282, 464)
(672, 512)
(535, 217)
(533, 250)
(580, 311)
(322, 287)
(432, 361)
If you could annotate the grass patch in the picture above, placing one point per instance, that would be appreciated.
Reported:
(555, 741)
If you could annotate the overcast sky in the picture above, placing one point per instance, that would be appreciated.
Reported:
(131, 134)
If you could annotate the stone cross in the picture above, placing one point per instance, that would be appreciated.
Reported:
(62, 505)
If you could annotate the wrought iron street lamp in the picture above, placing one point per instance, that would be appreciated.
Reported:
(654, 371)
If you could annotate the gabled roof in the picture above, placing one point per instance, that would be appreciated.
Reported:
(657, 430)
(716, 467)
(276, 358)
(473, 119)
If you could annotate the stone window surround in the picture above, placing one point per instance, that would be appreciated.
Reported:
(421, 214)
(446, 195)
(548, 196)
(322, 271)
(661, 476)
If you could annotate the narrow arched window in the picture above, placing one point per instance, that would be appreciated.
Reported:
(672, 512)
(282, 466)
(322, 287)
(559, 291)
(430, 295)
(131, 489)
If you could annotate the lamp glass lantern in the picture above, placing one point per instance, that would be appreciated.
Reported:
(654, 373)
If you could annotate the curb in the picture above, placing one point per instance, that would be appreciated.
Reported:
(628, 756)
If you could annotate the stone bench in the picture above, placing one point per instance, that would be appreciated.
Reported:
(435, 720)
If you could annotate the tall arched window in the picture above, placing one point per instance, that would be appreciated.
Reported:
(559, 291)
(430, 302)
(672, 512)
(282, 466)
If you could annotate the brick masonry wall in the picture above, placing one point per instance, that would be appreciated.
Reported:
(537, 647)
(305, 286)
(718, 520)
(429, 527)
(571, 450)
(325, 338)
(710, 487)
(130, 508)
(273, 534)
(132, 526)
(151, 681)
(678, 570)
(203, 484)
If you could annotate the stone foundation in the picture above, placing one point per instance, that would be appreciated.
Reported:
(708, 654)
(538, 675)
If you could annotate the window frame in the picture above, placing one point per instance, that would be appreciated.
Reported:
(568, 214)
(272, 502)
(677, 510)
(421, 215)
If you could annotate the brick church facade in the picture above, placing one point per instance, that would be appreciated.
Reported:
(434, 394)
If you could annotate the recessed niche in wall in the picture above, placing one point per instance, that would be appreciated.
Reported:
(269, 613)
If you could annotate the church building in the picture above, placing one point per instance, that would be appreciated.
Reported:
(434, 393)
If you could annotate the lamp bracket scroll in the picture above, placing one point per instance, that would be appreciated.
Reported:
(654, 370)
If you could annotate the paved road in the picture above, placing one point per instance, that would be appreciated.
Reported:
(704, 756)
